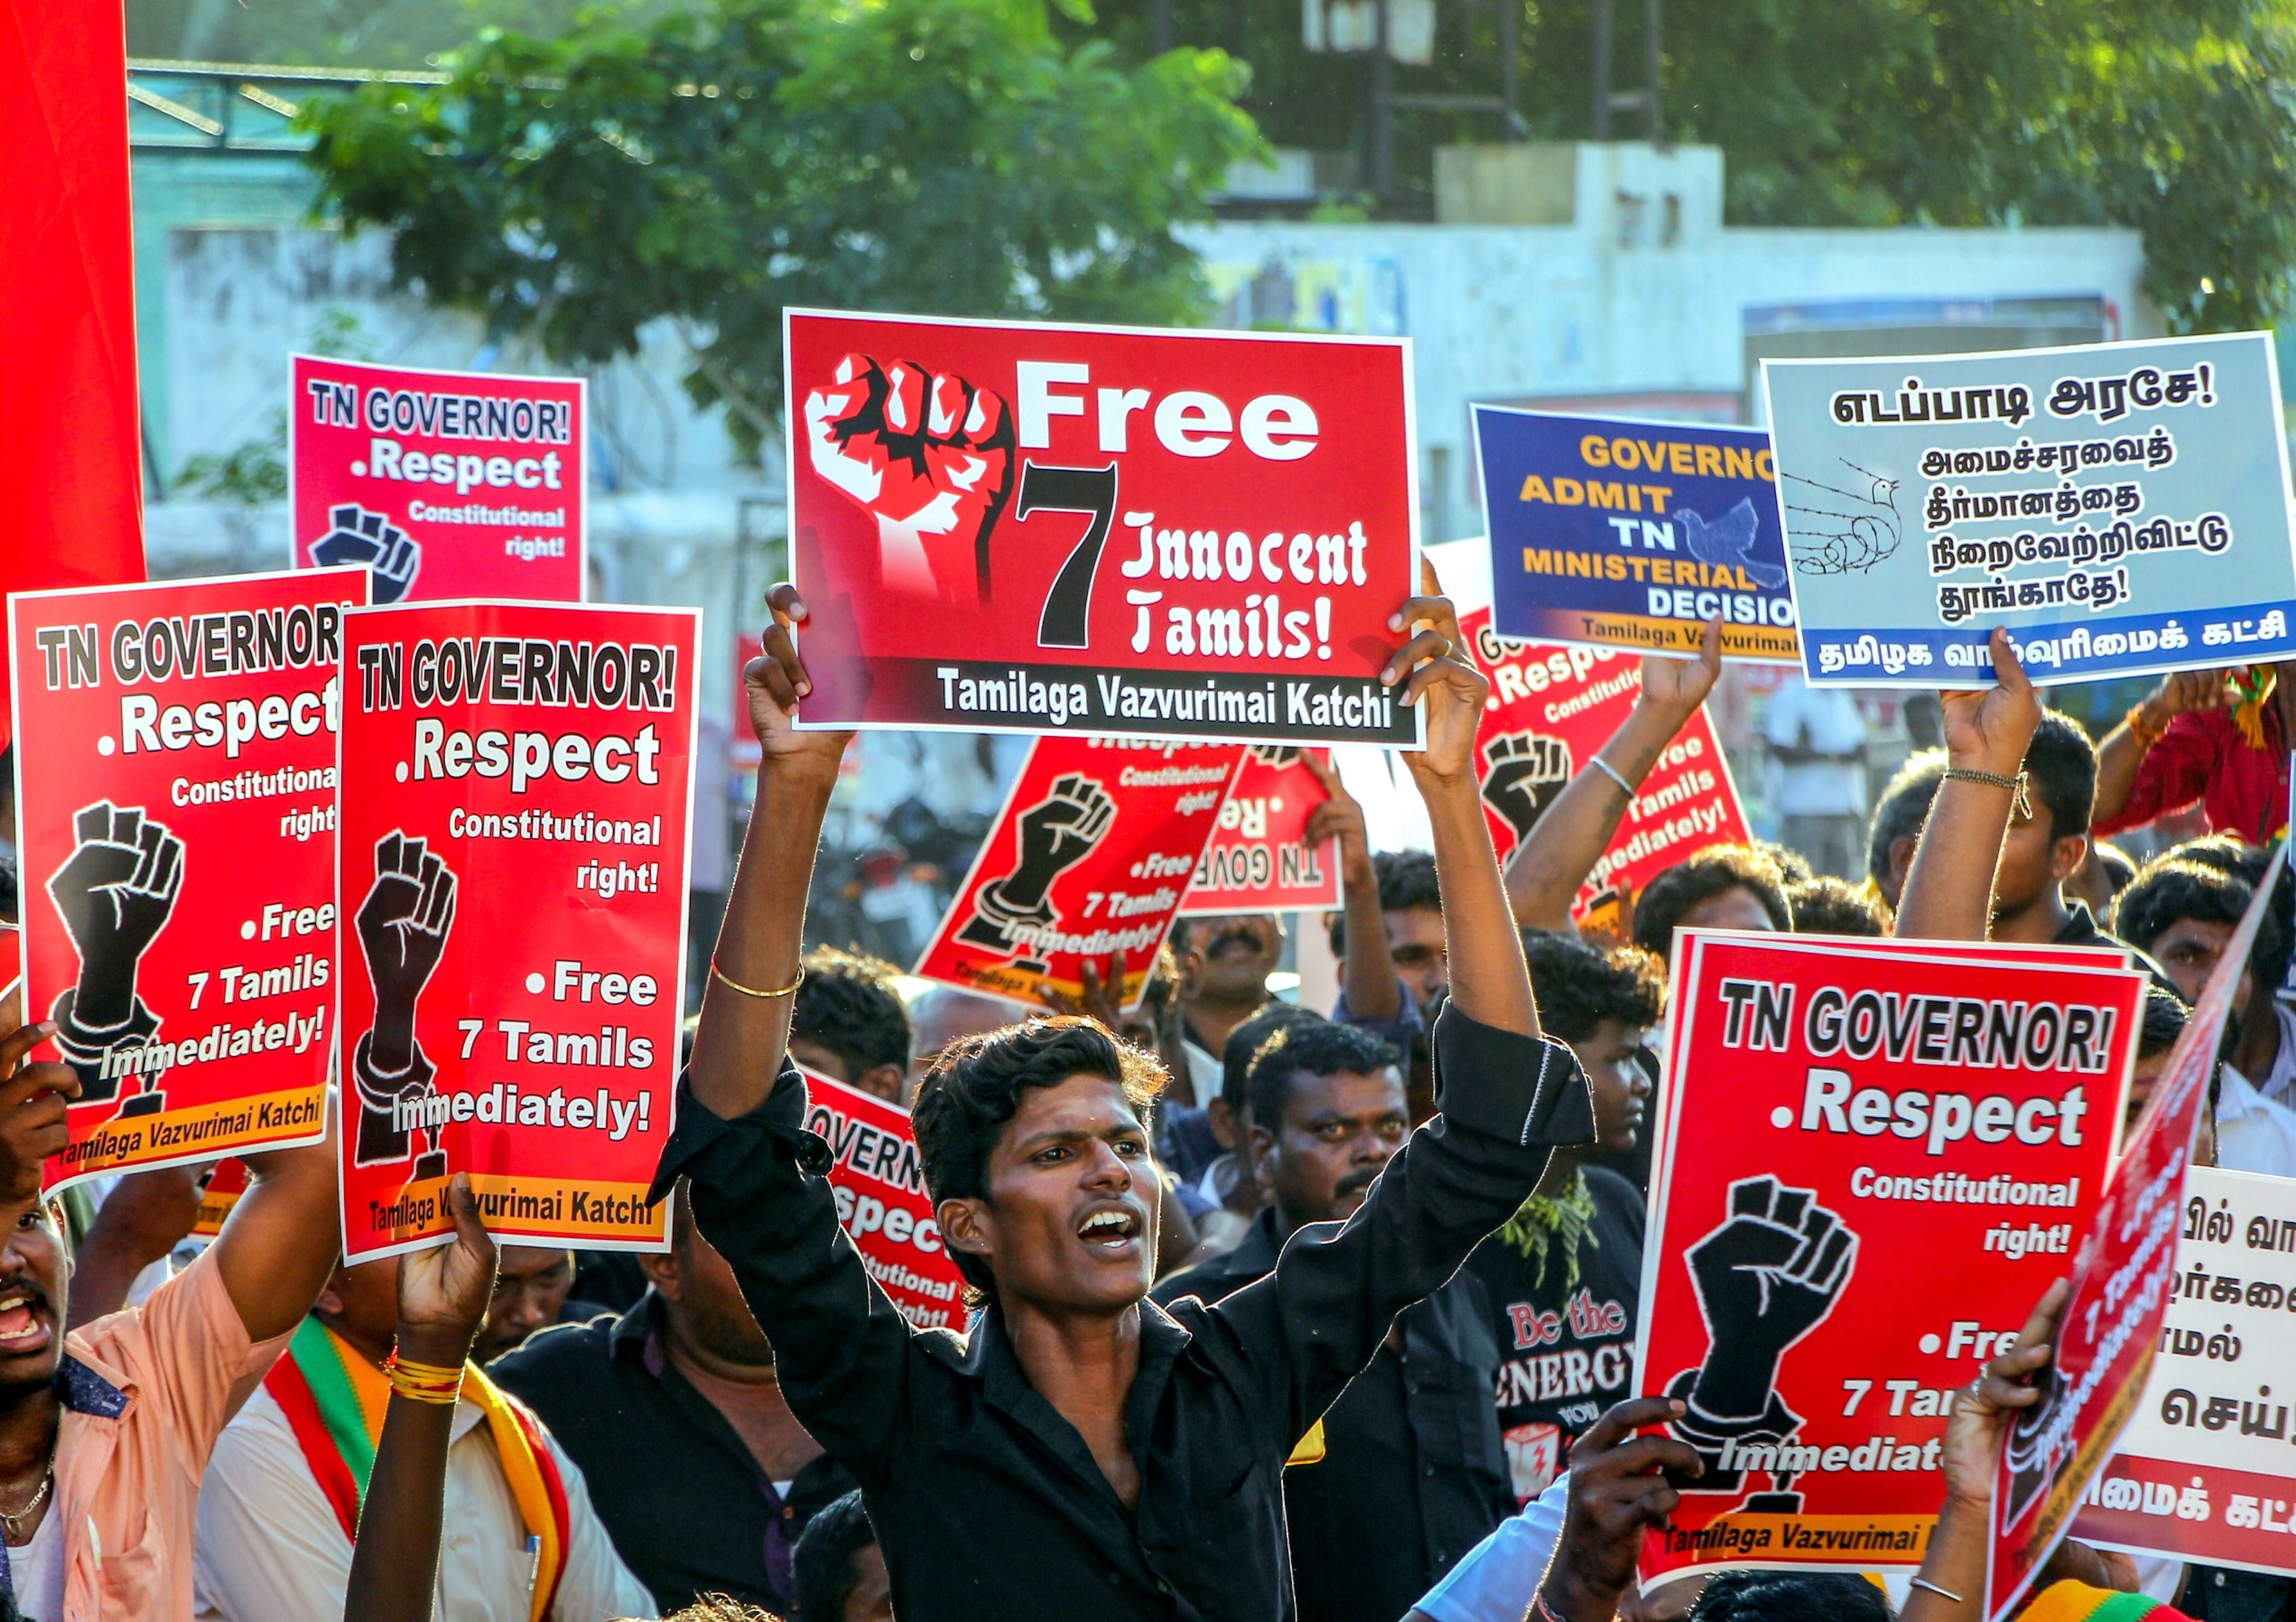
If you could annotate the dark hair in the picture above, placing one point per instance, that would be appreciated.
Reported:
(1406, 879)
(2169, 888)
(847, 1004)
(2226, 852)
(1243, 1041)
(2119, 867)
(1789, 1596)
(2162, 1022)
(1577, 984)
(1792, 866)
(2061, 769)
(1827, 905)
(1903, 807)
(1319, 1048)
(973, 1090)
(723, 1607)
(1701, 877)
(822, 1575)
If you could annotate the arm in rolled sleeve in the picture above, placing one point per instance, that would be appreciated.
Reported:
(2171, 775)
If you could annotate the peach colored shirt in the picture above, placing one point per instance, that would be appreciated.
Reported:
(146, 1393)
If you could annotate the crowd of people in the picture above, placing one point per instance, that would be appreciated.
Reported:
(1273, 1313)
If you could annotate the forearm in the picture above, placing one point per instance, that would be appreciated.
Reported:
(1545, 873)
(394, 1563)
(1373, 991)
(1955, 1563)
(103, 1270)
(1948, 893)
(1490, 982)
(282, 1237)
(740, 1040)
(2118, 757)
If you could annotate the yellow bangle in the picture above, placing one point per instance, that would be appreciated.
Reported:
(423, 1382)
(721, 976)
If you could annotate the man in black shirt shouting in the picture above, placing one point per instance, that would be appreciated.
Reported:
(1081, 1448)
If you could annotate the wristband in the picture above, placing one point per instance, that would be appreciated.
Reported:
(1922, 1581)
(2022, 805)
(2144, 731)
(1614, 773)
(720, 975)
(423, 1382)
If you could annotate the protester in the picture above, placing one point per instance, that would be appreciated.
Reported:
(1818, 739)
(1724, 886)
(1402, 897)
(1834, 906)
(1079, 1440)
(839, 1570)
(686, 1381)
(281, 1507)
(532, 1283)
(849, 1023)
(1231, 1182)
(1547, 870)
(106, 1430)
(1898, 820)
(2217, 736)
(2175, 910)
(1403, 1475)
(942, 1015)
(1225, 962)
(1564, 1275)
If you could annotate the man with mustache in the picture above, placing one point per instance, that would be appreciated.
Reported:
(1403, 1474)
(1225, 962)
(1079, 1439)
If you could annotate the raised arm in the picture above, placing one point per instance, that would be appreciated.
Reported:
(442, 1300)
(2180, 772)
(146, 1215)
(1949, 893)
(1544, 874)
(282, 1237)
(1372, 989)
(754, 1176)
(1506, 1095)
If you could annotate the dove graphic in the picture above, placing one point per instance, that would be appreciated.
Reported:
(1729, 540)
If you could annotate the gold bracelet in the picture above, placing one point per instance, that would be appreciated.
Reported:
(723, 978)
(423, 1382)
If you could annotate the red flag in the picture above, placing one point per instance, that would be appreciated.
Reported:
(69, 442)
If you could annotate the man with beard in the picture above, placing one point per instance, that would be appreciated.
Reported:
(105, 1432)
(1403, 1475)
(686, 1381)
(1078, 1440)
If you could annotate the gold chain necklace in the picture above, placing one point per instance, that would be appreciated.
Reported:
(13, 1522)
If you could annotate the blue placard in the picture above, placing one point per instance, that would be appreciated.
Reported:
(1626, 534)
(2121, 507)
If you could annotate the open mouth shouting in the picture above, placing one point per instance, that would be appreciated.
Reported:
(26, 1325)
(1114, 1230)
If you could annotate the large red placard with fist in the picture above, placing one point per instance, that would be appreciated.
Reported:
(176, 815)
(1087, 860)
(516, 800)
(1260, 861)
(1552, 707)
(1869, 1163)
(445, 484)
(1031, 528)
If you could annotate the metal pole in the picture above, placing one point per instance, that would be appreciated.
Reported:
(1650, 71)
(1601, 70)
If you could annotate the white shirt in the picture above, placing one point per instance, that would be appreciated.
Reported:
(2253, 1135)
(1826, 720)
(37, 1569)
(1497, 1580)
(269, 1546)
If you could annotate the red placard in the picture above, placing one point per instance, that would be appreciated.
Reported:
(223, 1187)
(513, 882)
(1260, 861)
(446, 484)
(1551, 708)
(882, 1201)
(1870, 1161)
(1028, 528)
(2123, 1279)
(176, 812)
(1089, 857)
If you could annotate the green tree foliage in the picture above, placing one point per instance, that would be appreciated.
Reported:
(2173, 117)
(713, 165)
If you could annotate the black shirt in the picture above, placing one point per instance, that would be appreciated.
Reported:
(987, 1503)
(690, 1510)
(1404, 1475)
(1567, 1348)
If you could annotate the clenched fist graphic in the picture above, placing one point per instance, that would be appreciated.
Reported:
(393, 557)
(114, 894)
(402, 929)
(1524, 773)
(930, 458)
(1768, 1275)
(1056, 833)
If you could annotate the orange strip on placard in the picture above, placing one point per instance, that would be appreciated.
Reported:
(179, 1135)
(1825, 1540)
(512, 1205)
